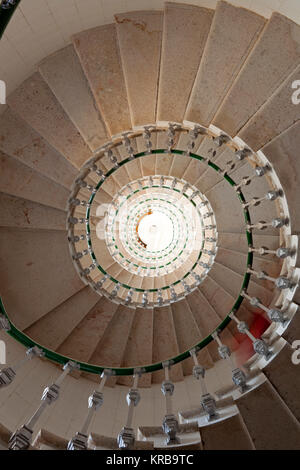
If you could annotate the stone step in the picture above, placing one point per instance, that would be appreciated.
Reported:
(238, 263)
(231, 281)
(274, 57)
(64, 75)
(228, 434)
(233, 34)
(185, 32)
(4, 436)
(193, 171)
(84, 339)
(281, 155)
(269, 421)
(98, 442)
(55, 327)
(188, 334)
(34, 102)
(292, 333)
(163, 164)
(20, 213)
(284, 377)
(46, 440)
(222, 301)
(139, 349)
(99, 55)
(238, 242)
(227, 208)
(19, 140)
(139, 35)
(165, 343)
(274, 117)
(188, 435)
(207, 319)
(111, 346)
(17, 179)
(35, 262)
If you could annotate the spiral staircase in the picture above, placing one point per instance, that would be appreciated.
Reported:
(149, 221)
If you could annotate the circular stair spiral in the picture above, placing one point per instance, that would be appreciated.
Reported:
(91, 280)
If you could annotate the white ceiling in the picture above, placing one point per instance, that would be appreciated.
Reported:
(40, 27)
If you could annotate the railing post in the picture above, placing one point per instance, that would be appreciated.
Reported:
(21, 439)
(259, 345)
(238, 376)
(126, 437)
(95, 401)
(208, 402)
(8, 374)
(170, 423)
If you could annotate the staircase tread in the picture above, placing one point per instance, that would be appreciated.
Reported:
(139, 36)
(274, 56)
(233, 34)
(35, 103)
(99, 55)
(185, 32)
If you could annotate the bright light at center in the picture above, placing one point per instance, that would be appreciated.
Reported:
(156, 230)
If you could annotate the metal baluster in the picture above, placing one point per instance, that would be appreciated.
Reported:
(8, 374)
(274, 314)
(126, 438)
(170, 423)
(21, 439)
(95, 401)
(208, 403)
(238, 376)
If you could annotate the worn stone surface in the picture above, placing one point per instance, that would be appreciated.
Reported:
(138, 351)
(238, 263)
(292, 333)
(99, 55)
(188, 334)
(47, 438)
(139, 36)
(232, 283)
(21, 181)
(85, 337)
(165, 343)
(233, 34)
(111, 346)
(282, 153)
(55, 326)
(185, 32)
(274, 117)
(226, 206)
(64, 75)
(34, 102)
(37, 273)
(21, 213)
(285, 378)
(208, 319)
(19, 140)
(271, 61)
(229, 434)
(270, 423)
(110, 443)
